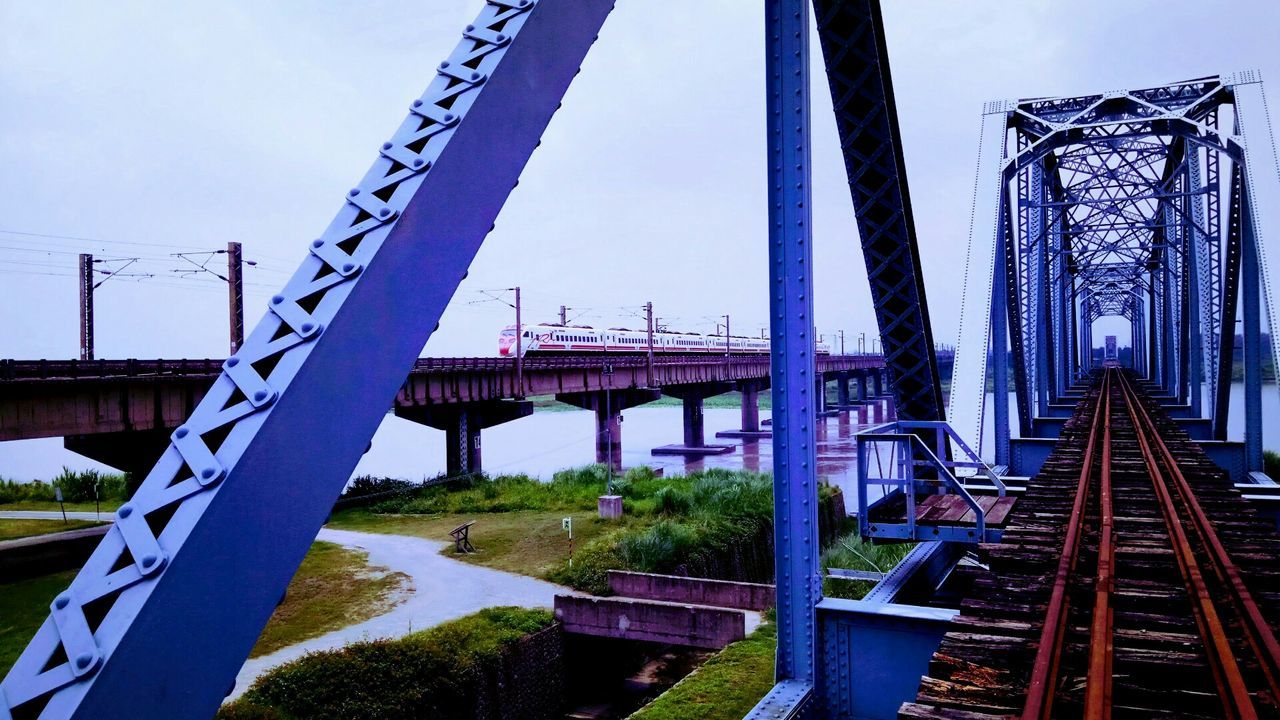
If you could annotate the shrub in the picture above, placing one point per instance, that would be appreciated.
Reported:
(367, 485)
(428, 674)
(672, 500)
(81, 486)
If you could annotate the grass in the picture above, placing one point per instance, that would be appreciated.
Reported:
(704, 523)
(529, 542)
(14, 529)
(851, 552)
(431, 673)
(726, 687)
(333, 588)
(106, 507)
(23, 606)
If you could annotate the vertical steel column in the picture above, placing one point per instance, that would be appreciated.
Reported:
(86, 306)
(1251, 296)
(791, 322)
(1038, 260)
(1193, 221)
(1000, 355)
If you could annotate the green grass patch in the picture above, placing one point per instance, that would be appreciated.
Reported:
(333, 588)
(428, 674)
(14, 529)
(851, 552)
(23, 606)
(106, 507)
(726, 687)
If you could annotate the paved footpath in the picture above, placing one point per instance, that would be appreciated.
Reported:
(440, 589)
(104, 516)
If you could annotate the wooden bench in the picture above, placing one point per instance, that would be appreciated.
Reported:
(461, 537)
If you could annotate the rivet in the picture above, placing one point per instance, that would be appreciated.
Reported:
(62, 602)
(260, 395)
(470, 28)
(386, 146)
(353, 192)
(125, 511)
(448, 117)
(348, 267)
(233, 361)
(148, 560)
(307, 327)
(84, 660)
(208, 473)
(384, 212)
(181, 432)
(444, 64)
(419, 162)
(277, 299)
(417, 103)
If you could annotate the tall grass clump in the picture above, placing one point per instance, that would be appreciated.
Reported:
(76, 486)
(851, 552)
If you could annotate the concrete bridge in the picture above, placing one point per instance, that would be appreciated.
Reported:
(121, 412)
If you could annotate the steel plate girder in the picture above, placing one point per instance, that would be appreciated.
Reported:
(853, 43)
(163, 614)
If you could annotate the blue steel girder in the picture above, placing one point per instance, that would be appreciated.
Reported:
(164, 612)
(853, 43)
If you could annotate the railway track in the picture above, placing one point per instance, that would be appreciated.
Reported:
(1132, 581)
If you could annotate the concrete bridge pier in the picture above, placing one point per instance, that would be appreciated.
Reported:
(749, 428)
(694, 435)
(132, 451)
(609, 417)
(861, 378)
(462, 423)
(842, 390)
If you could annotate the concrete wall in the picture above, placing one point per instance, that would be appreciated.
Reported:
(528, 682)
(627, 619)
(698, 591)
(44, 554)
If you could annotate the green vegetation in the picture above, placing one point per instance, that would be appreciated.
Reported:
(333, 588)
(77, 489)
(851, 552)
(14, 529)
(726, 687)
(1271, 464)
(23, 606)
(704, 523)
(435, 673)
(729, 400)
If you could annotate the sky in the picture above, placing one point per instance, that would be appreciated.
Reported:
(139, 130)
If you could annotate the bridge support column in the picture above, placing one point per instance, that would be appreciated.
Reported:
(462, 423)
(694, 437)
(133, 451)
(749, 428)
(861, 378)
(877, 381)
(842, 390)
(608, 409)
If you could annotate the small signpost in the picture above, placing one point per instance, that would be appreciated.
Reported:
(57, 494)
(566, 524)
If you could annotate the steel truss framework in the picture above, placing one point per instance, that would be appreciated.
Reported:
(161, 617)
(1142, 205)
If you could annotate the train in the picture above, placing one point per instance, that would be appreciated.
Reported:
(546, 339)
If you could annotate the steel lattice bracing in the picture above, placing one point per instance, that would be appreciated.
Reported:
(1136, 205)
(853, 44)
(163, 614)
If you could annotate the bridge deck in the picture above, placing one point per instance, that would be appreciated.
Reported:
(1132, 579)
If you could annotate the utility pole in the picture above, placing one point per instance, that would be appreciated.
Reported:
(648, 319)
(728, 350)
(862, 343)
(520, 348)
(564, 313)
(86, 306)
(235, 294)
(842, 342)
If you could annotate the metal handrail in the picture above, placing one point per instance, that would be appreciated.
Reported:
(975, 461)
(907, 480)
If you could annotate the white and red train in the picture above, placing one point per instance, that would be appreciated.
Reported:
(574, 340)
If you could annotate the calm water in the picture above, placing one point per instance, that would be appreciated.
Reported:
(549, 441)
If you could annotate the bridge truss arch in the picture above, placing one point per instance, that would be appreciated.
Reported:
(1153, 206)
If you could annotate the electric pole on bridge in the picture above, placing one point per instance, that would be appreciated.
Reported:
(842, 342)
(520, 345)
(564, 314)
(648, 320)
(86, 306)
(235, 294)
(728, 351)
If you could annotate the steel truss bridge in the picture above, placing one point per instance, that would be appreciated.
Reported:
(1149, 205)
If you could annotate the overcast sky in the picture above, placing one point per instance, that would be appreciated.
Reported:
(153, 128)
